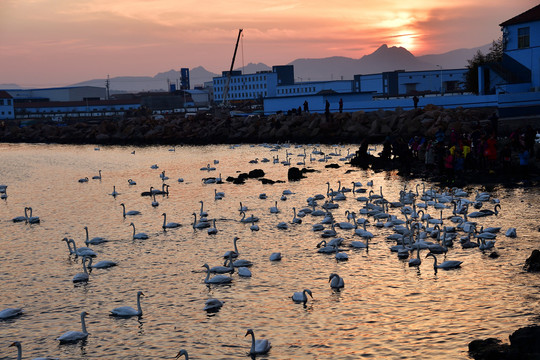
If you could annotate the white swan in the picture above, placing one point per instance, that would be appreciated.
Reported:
(21, 218)
(360, 244)
(139, 236)
(202, 213)
(97, 177)
(336, 281)
(200, 224)
(128, 311)
(275, 256)
(301, 296)
(114, 192)
(242, 263)
(10, 313)
(83, 180)
(81, 277)
(19, 352)
(249, 218)
(282, 225)
(341, 256)
(130, 213)
(212, 230)
(95, 240)
(73, 336)
(261, 346)
(131, 182)
(213, 305)
(169, 225)
(103, 264)
(274, 209)
(242, 207)
(449, 264)
(218, 195)
(32, 219)
(182, 352)
(244, 271)
(254, 227)
(295, 220)
(154, 201)
(223, 269)
(233, 253)
(82, 251)
(218, 279)
(416, 261)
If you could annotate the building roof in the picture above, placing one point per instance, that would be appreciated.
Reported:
(5, 95)
(528, 16)
(56, 104)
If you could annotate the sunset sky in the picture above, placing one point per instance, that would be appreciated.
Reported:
(61, 42)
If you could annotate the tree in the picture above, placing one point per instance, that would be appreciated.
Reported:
(494, 55)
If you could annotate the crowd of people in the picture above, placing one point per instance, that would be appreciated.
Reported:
(451, 153)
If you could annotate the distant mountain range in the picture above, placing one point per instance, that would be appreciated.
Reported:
(332, 68)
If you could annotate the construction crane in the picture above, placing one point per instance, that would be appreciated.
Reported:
(226, 89)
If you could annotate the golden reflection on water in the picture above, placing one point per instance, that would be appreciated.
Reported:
(386, 310)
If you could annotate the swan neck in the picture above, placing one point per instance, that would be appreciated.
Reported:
(83, 324)
(139, 310)
(252, 342)
(19, 351)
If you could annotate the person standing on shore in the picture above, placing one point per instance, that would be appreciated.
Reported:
(415, 100)
(327, 110)
(524, 157)
(306, 107)
(340, 106)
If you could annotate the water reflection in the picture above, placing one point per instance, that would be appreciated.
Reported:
(377, 298)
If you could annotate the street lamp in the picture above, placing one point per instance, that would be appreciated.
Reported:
(440, 67)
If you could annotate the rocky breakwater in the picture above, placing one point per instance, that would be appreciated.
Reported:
(205, 129)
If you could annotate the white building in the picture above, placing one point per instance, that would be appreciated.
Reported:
(6, 106)
(521, 39)
(70, 93)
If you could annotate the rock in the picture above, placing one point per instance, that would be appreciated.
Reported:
(256, 173)
(526, 341)
(488, 349)
(294, 174)
(532, 264)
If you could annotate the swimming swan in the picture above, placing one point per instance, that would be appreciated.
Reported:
(128, 311)
(301, 296)
(233, 253)
(336, 281)
(261, 346)
(130, 213)
(82, 251)
(449, 264)
(72, 336)
(103, 264)
(93, 241)
(10, 313)
(81, 277)
(167, 225)
(139, 236)
(182, 352)
(19, 352)
(218, 279)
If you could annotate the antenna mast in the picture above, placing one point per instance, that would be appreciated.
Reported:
(226, 90)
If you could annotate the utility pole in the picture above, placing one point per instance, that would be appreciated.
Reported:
(107, 83)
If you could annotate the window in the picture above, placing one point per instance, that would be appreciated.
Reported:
(523, 38)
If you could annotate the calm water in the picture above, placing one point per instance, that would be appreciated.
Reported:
(386, 310)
